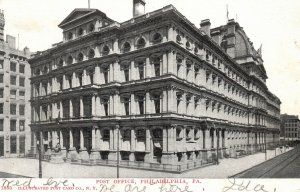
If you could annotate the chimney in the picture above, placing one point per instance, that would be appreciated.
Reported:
(11, 41)
(138, 7)
(205, 26)
(2, 24)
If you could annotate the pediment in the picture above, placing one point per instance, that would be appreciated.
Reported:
(78, 14)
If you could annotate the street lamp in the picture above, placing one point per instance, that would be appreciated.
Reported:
(39, 143)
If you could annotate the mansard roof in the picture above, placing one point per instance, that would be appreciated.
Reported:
(81, 13)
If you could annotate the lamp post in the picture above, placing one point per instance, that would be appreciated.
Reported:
(118, 151)
(39, 143)
(265, 145)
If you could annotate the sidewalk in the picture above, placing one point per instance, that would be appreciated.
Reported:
(226, 168)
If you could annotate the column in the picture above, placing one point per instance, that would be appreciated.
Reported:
(81, 106)
(148, 148)
(132, 71)
(148, 68)
(171, 62)
(97, 75)
(94, 105)
(71, 108)
(164, 63)
(61, 141)
(132, 104)
(82, 140)
(171, 102)
(132, 145)
(148, 103)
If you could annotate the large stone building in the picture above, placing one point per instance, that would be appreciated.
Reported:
(290, 127)
(156, 88)
(14, 96)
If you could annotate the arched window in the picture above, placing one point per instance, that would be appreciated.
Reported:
(188, 45)
(178, 39)
(126, 47)
(80, 32)
(60, 63)
(80, 57)
(157, 38)
(157, 133)
(91, 27)
(37, 71)
(69, 35)
(70, 60)
(91, 54)
(105, 50)
(45, 70)
(141, 43)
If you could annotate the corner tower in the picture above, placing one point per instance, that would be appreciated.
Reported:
(138, 7)
(2, 24)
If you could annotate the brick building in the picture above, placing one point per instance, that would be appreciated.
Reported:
(14, 96)
(290, 125)
(156, 90)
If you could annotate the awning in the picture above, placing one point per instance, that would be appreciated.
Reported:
(140, 147)
(157, 144)
(125, 146)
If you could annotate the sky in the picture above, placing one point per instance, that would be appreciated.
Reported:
(273, 23)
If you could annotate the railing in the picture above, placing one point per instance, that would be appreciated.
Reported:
(156, 166)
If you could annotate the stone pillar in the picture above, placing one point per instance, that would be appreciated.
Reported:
(73, 155)
(71, 108)
(81, 106)
(83, 154)
(148, 140)
(132, 145)
(148, 68)
(95, 154)
(97, 75)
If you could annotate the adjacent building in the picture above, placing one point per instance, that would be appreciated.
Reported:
(290, 127)
(14, 96)
(155, 90)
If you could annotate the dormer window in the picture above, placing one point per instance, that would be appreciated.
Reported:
(188, 45)
(69, 35)
(91, 54)
(141, 43)
(60, 63)
(178, 39)
(80, 57)
(70, 60)
(157, 38)
(91, 27)
(126, 47)
(105, 50)
(80, 32)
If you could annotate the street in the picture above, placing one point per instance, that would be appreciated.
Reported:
(283, 166)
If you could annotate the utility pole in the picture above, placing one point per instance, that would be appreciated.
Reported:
(265, 146)
(118, 152)
(40, 155)
(218, 145)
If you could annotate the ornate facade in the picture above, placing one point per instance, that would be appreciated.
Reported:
(155, 89)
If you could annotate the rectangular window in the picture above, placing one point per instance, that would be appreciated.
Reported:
(106, 135)
(22, 68)
(1, 93)
(13, 109)
(22, 144)
(1, 124)
(13, 94)
(1, 78)
(21, 125)
(1, 64)
(22, 109)
(13, 144)
(13, 67)
(13, 80)
(22, 95)
(1, 108)
(13, 124)
(22, 82)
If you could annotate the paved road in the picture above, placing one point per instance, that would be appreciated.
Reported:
(286, 165)
(8, 175)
